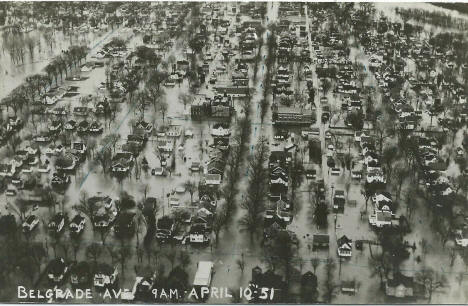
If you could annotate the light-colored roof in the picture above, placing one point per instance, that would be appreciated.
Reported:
(203, 275)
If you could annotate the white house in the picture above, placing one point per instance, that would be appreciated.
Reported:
(461, 238)
(345, 247)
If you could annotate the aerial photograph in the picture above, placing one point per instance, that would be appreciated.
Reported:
(233, 152)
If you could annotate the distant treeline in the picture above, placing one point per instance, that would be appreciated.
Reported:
(440, 19)
(459, 7)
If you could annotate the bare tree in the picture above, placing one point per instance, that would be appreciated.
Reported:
(431, 280)
(329, 286)
(315, 261)
(93, 251)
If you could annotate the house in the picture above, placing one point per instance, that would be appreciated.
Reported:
(79, 147)
(199, 233)
(344, 247)
(174, 131)
(7, 170)
(212, 179)
(56, 270)
(320, 241)
(383, 202)
(282, 211)
(77, 224)
(70, 125)
(215, 166)
(122, 162)
(309, 287)
(80, 274)
(165, 228)
(381, 219)
(55, 125)
(102, 108)
(95, 127)
(266, 282)
(142, 288)
(103, 217)
(348, 287)
(143, 128)
(66, 162)
(105, 275)
(399, 285)
(375, 176)
(195, 167)
(57, 222)
(101, 200)
(166, 145)
(461, 238)
(220, 130)
(83, 126)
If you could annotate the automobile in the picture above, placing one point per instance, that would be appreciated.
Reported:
(325, 117)
(270, 213)
(158, 171)
(169, 83)
(208, 57)
(173, 201)
(330, 162)
(195, 167)
(328, 135)
(312, 131)
(188, 133)
(102, 86)
(180, 189)
(311, 174)
(335, 171)
(213, 79)
(27, 169)
(11, 191)
(460, 152)
(355, 174)
(30, 223)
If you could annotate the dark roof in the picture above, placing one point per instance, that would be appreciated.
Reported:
(400, 279)
(165, 223)
(57, 266)
(77, 219)
(321, 238)
(344, 240)
(80, 269)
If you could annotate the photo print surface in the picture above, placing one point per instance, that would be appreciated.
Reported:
(233, 152)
